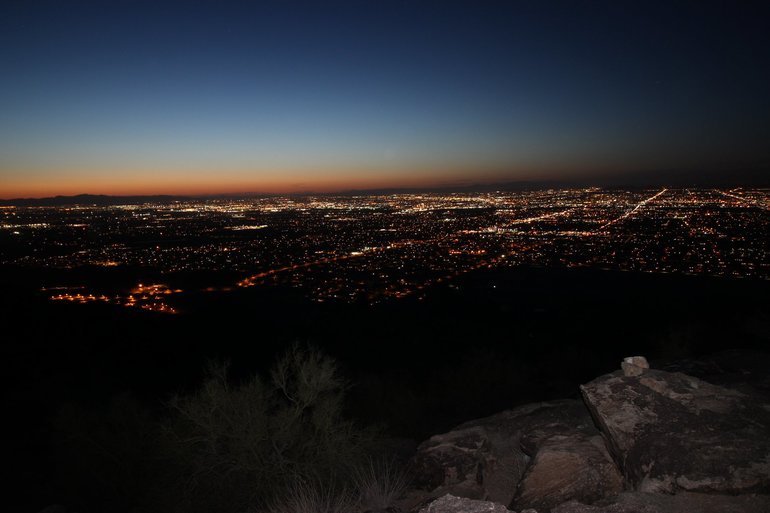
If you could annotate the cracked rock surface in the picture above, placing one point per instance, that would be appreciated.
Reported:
(671, 432)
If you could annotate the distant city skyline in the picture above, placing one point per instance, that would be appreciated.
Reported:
(133, 98)
(377, 247)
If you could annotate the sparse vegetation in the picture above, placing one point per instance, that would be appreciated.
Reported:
(281, 444)
(244, 441)
(371, 486)
(307, 495)
(378, 484)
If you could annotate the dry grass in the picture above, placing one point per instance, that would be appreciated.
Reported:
(313, 496)
(379, 484)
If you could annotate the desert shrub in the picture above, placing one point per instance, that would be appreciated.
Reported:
(235, 444)
(278, 443)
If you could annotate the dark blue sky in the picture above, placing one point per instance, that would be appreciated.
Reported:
(129, 96)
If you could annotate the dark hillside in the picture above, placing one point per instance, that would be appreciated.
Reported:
(488, 341)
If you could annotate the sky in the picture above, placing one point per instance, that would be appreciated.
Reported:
(133, 97)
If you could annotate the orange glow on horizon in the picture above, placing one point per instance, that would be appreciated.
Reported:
(201, 183)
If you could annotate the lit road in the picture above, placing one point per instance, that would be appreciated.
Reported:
(551, 215)
(754, 203)
(253, 279)
(634, 210)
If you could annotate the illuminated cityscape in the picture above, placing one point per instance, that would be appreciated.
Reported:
(371, 248)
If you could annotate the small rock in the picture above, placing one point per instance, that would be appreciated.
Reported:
(634, 365)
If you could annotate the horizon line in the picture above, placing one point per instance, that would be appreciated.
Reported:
(751, 176)
(396, 189)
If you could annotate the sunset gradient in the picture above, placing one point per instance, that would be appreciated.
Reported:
(131, 97)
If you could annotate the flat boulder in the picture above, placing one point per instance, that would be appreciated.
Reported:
(670, 432)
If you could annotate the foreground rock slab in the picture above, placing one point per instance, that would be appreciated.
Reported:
(670, 432)
(685, 502)
(451, 504)
(625, 502)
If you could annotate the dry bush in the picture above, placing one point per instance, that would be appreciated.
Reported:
(236, 444)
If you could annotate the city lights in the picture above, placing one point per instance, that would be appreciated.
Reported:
(368, 248)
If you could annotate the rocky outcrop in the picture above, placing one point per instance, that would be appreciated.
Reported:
(670, 432)
(535, 455)
(642, 441)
